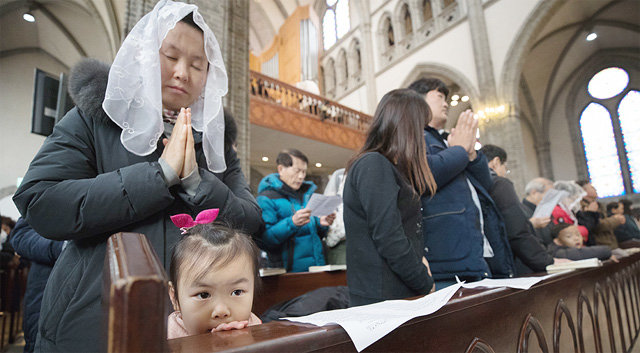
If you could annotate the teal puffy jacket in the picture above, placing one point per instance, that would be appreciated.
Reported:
(281, 235)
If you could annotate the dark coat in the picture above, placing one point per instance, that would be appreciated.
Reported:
(602, 252)
(83, 185)
(42, 253)
(384, 235)
(627, 231)
(530, 255)
(451, 227)
(278, 207)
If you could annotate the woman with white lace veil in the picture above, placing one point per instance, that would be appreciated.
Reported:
(145, 141)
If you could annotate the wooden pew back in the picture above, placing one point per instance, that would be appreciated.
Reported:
(589, 310)
(135, 297)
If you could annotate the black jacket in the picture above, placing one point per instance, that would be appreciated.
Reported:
(530, 255)
(83, 186)
(43, 254)
(384, 233)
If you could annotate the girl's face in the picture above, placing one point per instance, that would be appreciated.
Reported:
(222, 295)
(183, 66)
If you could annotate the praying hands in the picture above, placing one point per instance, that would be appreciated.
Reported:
(179, 151)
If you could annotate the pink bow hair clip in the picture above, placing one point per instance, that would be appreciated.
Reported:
(184, 221)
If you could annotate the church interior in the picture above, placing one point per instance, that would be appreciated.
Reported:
(555, 83)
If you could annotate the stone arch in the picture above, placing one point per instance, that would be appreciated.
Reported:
(517, 53)
(354, 59)
(329, 69)
(386, 33)
(443, 72)
(342, 69)
(403, 17)
(426, 10)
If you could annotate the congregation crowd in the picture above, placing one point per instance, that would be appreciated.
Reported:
(420, 205)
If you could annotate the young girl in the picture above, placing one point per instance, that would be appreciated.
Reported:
(382, 204)
(213, 275)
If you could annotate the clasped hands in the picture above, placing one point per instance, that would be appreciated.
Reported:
(179, 151)
(464, 134)
(303, 216)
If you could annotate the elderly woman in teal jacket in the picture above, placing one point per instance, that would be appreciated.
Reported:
(291, 232)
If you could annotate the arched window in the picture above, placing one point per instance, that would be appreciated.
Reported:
(427, 12)
(342, 70)
(406, 19)
(610, 127)
(447, 3)
(335, 22)
(355, 59)
(388, 29)
(329, 77)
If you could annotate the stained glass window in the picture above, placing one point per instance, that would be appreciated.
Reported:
(335, 22)
(608, 83)
(629, 115)
(600, 150)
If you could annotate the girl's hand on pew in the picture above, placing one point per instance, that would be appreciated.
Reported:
(233, 325)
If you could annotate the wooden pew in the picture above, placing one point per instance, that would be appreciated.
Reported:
(276, 289)
(135, 296)
(589, 310)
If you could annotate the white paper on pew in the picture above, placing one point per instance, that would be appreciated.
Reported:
(368, 323)
(321, 205)
(518, 283)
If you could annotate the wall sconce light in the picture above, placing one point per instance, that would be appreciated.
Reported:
(28, 16)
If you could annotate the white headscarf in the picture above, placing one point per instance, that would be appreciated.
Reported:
(133, 99)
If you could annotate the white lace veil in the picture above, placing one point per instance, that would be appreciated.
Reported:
(133, 99)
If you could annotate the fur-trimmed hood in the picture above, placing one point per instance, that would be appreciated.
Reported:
(87, 86)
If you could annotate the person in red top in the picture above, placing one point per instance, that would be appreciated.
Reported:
(565, 211)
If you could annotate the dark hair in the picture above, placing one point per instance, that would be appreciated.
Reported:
(424, 85)
(396, 133)
(627, 206)
(493, 151)
(214, 244)
(230, 130)
(583, 182)
(557, 228)
(285, 158)
(188, 19)
(611, 206)
(8, 222)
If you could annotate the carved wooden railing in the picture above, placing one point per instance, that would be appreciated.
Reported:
(280, 106)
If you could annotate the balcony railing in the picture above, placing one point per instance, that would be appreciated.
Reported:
(303, 102)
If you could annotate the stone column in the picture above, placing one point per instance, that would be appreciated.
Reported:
(543, 152)
(506, 131)
(366, 46)
(481, 51)
(229, 21)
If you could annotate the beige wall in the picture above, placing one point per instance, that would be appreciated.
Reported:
(17, 143)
